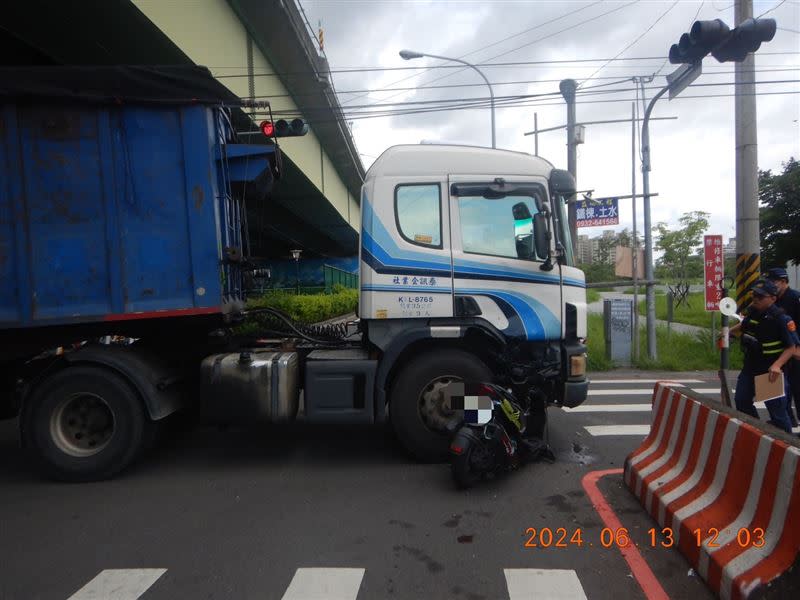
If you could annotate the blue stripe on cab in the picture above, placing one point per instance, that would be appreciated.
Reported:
(540, 324)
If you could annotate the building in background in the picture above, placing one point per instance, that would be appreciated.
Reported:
(601, 249)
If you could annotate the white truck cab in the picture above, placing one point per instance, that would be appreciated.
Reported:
(466, 255)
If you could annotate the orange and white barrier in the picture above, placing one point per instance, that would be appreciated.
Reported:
(727, 493)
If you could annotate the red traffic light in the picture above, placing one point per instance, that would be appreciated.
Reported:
(267, 128)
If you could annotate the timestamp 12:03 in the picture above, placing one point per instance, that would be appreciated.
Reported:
(620, 537)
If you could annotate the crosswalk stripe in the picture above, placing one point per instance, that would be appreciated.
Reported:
(584, 408)
(118, 584)
(646, 391)
(543, 584)
(637, 392)
(599, 430)
(324, 584)
(675, 383)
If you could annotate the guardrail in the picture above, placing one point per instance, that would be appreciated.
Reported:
(334, 276)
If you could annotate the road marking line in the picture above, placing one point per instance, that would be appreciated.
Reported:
(583, 408)
(324, 584)
(636, 392)
(599, 430)
(666, 381)
(647, 391)
(543, 584)
(641, 571)
(118, 584)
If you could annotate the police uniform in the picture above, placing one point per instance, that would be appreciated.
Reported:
(789, 301)
(770, 332)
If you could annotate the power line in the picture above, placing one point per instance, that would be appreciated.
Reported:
(771, 9)
(536, 41)
(666, 60)
(570, 13)
(572, 63)
(626, 48)
(484, 100)
(418, 107)
(615, 79)
(530, 105)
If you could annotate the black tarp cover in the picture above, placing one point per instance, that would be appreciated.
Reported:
(127, 84)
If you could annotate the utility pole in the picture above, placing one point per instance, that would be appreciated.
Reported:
(568, 87)
(634, 241)
(748, 246)
(650, 293)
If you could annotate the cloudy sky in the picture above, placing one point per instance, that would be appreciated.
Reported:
(526, 47)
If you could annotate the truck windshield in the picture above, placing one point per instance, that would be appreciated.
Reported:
(498, 226)
(562, 227)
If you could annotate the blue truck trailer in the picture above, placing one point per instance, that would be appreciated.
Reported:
(122, 216)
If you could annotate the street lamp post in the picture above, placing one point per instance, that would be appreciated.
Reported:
(410, 54)
(296, 256)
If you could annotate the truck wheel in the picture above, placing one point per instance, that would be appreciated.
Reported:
(83, 424)
(416, 400)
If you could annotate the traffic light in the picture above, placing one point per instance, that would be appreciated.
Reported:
(746, 38)
(724, 44)
(701, 39)
(284, 128)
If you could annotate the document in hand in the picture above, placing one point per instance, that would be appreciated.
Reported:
(766, 389)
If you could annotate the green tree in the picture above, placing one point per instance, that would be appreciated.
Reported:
(779, 214)
(604, 248)
(678, 245)
(625, 238)
(596, 272)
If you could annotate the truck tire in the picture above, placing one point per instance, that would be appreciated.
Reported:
(84, 423)
(416, 397)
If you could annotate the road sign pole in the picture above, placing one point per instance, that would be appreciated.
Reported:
(676, 81)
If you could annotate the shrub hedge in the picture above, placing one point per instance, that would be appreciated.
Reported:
(310, 308)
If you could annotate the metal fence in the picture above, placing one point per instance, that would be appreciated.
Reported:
(335, 276)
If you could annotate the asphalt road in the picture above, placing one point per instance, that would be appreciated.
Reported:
(289, 513)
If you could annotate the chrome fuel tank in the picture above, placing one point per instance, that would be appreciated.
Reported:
(260, 385)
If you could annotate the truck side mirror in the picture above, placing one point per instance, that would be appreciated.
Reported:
(540, 235)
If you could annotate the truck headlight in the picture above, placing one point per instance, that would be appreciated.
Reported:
(577, 365)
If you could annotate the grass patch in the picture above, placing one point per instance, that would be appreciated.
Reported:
(597, 345)
(592, 295)
(694, 314)
(676, 351)
(685, 352)
(310, 308)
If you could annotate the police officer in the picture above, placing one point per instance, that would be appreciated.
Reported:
(789, 301)
(769, 338)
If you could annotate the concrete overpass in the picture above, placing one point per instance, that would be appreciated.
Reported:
(257, 48)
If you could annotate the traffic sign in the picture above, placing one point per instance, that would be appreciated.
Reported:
(591, 213)
(713, 266)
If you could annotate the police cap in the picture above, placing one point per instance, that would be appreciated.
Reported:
(776, 273)
(764, 287)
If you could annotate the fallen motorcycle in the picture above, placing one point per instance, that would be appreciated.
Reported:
(493, 436)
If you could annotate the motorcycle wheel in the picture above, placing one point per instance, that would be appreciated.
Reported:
(469, 467)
